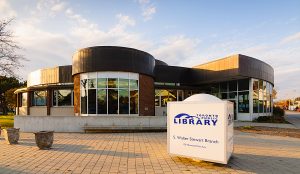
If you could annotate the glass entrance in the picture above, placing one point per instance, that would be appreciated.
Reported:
(234, 108)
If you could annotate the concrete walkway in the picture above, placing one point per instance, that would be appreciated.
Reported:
(275, 125)
(293, 117)
(144, 153)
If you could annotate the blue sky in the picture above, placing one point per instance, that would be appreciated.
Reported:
(182, 33)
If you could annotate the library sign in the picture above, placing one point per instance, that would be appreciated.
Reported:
(201, 127)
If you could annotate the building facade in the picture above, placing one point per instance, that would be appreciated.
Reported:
(119, 81)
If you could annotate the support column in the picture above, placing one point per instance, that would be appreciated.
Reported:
(17, 104)
(28, 102)
(49, 100)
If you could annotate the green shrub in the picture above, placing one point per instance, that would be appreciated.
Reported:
(263, 119)
(277, 111)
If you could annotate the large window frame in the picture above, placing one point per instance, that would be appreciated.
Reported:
(38, 95)
(106, 88)
(55, 98)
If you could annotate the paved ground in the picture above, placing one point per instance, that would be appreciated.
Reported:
(293, 117)
(144, 153)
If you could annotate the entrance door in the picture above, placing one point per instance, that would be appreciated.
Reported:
(234, 108)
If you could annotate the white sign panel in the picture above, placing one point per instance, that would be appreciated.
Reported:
(201, 130)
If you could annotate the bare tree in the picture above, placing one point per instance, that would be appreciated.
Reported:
(9, 59)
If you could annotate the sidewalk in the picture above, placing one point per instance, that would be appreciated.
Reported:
(144, 153)
(276, 125)
(293, 117)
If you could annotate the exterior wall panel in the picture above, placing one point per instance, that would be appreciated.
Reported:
(76, 79)
(146, 94)
(107, 58)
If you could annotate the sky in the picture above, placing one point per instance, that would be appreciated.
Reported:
(179, 32)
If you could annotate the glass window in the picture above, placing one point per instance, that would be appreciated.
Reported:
(215, 88)
(255, 85)
(124, 101)
(24, 99)
(133, 84)
(62, 97)
(134, 101)
(83, 84)
(157, 97)
(166, 96)
(92, 83)
(223, 95)
(83, 100)
(92, 101)
(123, 83)
(243, 84)
(223, 87)
(112, 101)
(255, 105)
(102, 83)
(232, 95)
(101, 100)
(179, 95)
(261, 106)
(39, 98)
(255, 96)
(243, 102)
(232, 85)
(111, 95)
(112, 82)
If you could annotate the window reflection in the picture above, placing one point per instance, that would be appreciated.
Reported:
(109, 95)
(112, 101)
(39, 98)
(102, 83)
(123, 101)
(243, 106)
(101, 100)
(62, 97)
(134, 101)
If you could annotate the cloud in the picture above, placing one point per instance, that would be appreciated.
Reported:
(148, 9)
(148, 12)
(48, 8)
(125, 20)
(58, 7)
(6, 11)
(292, 38)
(176, 50)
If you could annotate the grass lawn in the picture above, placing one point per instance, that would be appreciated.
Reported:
(6, 121)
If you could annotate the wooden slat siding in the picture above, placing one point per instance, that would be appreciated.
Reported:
(65, 74)
(50, 75)
(59, 74)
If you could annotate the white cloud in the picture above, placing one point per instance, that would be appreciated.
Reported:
(49, 8)
(58, 7)
(125, 20)
(292, 38)
(148, 12)
(148, 9)
(176, 50)
(6, 11)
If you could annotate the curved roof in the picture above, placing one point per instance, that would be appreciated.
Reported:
(113, 58)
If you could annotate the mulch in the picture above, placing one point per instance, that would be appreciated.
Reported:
(285, 132)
